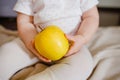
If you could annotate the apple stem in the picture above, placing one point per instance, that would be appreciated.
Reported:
(40, 28)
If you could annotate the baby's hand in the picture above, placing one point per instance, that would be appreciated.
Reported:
(35, 52)
(76, 42)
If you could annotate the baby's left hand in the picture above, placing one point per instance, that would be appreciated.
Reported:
(76, 42)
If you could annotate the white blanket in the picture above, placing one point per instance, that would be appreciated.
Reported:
(105, 48)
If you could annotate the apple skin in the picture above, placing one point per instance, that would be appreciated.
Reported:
(51, 43)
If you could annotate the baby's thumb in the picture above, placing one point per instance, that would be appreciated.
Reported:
(33, 41)
(69, 37)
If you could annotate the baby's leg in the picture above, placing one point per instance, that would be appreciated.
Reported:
(13, 57)
(76, 67)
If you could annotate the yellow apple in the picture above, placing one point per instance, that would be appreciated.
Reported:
(51, 43)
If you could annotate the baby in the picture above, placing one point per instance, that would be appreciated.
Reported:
(79, 20)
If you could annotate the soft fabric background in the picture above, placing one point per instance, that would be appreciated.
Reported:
(105, 48)
(6, 35)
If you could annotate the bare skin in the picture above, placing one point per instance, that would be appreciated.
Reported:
(88, 26)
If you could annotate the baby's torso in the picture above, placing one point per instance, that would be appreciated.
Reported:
(64, 13)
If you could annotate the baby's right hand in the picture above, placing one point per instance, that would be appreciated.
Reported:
(31, 47)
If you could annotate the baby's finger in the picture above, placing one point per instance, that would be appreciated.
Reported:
(69, 37)
(44, 59)
(71, 50)
(39, 56)
(33, 42)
